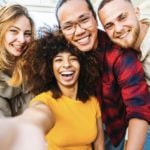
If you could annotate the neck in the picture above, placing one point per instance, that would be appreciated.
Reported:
(70, 91)
(143, 30)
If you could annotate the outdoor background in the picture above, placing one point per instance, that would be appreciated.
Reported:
(43, 11)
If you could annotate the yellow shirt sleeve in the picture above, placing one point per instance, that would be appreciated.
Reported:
(97, 107)
(43, 97)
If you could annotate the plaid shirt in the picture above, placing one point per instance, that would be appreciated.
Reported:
(122, 90)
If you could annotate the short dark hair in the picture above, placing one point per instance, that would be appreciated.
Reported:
(38, 61)
(61, 2)
(104, 2)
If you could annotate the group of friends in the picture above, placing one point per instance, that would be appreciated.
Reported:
(75, 86)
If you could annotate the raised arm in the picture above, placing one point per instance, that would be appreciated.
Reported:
(27, 130)
(39, 115)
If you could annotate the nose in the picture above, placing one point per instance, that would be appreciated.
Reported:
(118, 27)
(66, 63)
(79, 29)
(21, 38)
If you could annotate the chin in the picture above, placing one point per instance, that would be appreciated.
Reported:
(85, 48)
(17, 55)
(123, 44)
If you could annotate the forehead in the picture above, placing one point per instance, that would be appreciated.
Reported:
(22, 22)
(64, 53)
(72, 9)
(114, 8)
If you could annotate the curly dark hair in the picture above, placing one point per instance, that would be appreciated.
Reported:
(37, 65)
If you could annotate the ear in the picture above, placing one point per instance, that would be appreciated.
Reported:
(137, 12)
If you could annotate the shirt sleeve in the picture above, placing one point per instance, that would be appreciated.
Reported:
(97, 107)
(44, 97)
(5, 109)
(130, 76)
(12, 99)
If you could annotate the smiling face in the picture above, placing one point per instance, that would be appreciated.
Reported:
(66, 69)
(119, 20)
(18, 36)
(76, 14)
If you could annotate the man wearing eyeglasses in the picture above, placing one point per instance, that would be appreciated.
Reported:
(122, 90)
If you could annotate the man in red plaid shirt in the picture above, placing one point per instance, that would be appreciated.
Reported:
(126, 26)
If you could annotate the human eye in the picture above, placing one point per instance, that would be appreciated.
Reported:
(74, 58)
(84, 19)
(67, 27)
(13, 31)
(122, 17)
(27, 33)
(57, 59)
(108, 26)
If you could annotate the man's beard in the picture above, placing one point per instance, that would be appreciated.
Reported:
(128, 42)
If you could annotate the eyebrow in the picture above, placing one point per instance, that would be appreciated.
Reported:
(15, 27)
(81, 16)
(20, 29)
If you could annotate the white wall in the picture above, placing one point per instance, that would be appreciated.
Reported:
(43, 11)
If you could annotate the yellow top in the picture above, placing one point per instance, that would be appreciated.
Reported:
(75, 127)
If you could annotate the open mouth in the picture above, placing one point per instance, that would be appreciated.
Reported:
(122, 35)
(19, 48)
(84, 40)
(67, 75)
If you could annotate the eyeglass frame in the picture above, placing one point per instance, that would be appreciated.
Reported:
(80, 22)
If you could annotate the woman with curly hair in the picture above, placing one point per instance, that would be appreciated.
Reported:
(16, 32)
(65, 108)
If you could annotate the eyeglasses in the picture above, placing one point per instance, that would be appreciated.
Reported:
(84, 22)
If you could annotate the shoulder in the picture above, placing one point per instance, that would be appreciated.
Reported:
(43, 95)
(6, 90)
(93, 100)
(4, 76)
(115, 52)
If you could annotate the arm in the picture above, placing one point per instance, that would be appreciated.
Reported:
(27, 130)
(136, 134)
(99, 142)
(39, 115)
(135, 94)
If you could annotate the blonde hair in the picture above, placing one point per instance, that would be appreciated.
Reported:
(8, 15)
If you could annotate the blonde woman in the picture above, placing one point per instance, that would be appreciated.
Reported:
(16, 33)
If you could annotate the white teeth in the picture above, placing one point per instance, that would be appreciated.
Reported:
(67, 73)
(84, 40)
(124, 35)
(18, 46)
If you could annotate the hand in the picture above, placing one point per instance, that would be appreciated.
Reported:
(15, 135)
